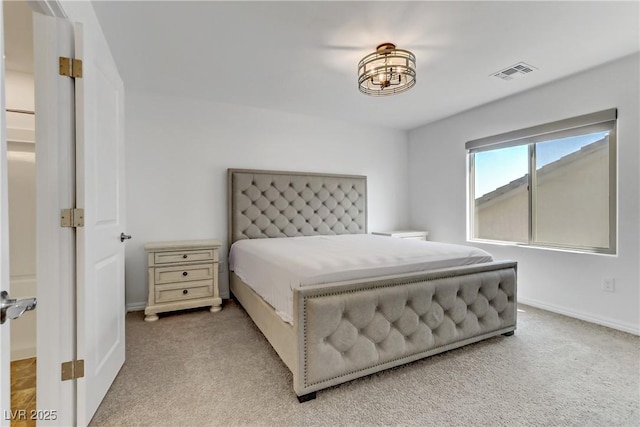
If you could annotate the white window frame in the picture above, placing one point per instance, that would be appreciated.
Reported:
(605, 120)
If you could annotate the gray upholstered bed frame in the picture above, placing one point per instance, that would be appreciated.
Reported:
(342, 331)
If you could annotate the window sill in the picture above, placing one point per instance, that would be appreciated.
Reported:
(544, 248)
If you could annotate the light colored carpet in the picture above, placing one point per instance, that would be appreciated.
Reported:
(199, 368)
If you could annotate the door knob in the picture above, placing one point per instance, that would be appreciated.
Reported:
(124, 237)
(14, 308)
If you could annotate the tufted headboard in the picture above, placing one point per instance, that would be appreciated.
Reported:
(287, 204)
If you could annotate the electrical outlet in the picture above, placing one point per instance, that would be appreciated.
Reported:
(609, 285)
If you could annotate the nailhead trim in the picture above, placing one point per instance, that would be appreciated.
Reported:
(389, 285)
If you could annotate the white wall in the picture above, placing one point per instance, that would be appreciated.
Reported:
(178, 151)
(22, 203)
(568, 283)
(20, 90)
(20, 96)
(21, 169)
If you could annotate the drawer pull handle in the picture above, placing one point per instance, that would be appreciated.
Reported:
(186, 291)
(184, 273)
(184, 256)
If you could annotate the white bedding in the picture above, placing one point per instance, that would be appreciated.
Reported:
(274, 267)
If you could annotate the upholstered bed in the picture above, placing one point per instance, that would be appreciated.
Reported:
(343, 330)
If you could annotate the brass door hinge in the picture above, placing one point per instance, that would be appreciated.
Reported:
(72, 218)
(72, 370)
(70, 67)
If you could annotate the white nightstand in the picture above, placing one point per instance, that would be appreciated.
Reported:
(404, 234)
(182, 274)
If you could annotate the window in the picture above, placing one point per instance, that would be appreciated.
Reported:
(552, 185)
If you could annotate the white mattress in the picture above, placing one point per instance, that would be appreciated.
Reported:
(274, 267)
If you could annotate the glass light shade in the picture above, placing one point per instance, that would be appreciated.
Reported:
(387, 71)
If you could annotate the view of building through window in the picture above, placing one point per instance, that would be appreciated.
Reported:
(572, 192)
(570, 201)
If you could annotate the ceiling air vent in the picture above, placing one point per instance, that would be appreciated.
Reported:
(517, 70)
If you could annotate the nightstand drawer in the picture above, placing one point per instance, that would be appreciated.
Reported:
(183, 273)
(175, 292)
(186, 256)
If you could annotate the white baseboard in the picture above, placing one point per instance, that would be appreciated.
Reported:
(139, 306)
(136, 306)
(614, 324)
(22, 353)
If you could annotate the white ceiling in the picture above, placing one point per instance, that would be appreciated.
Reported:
(301, 56)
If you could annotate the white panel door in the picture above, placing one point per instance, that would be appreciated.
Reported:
(100, 190)
(5, 371)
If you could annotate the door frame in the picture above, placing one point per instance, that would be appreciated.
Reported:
(55, 190)
(5, 332)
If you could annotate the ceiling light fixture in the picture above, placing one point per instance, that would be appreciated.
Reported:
(387, 71)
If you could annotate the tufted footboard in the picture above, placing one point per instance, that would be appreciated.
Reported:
(352, 329)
